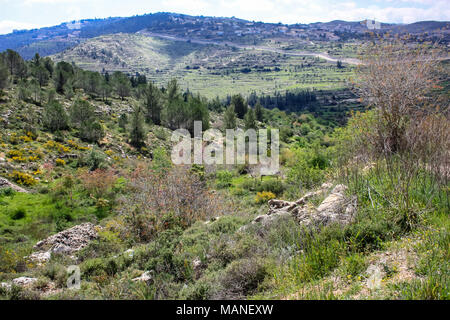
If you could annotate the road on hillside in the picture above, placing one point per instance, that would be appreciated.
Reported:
(321, 55)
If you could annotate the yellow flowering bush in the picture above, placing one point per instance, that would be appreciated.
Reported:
(53, 145)
(76, 146)
(263, 197)
(23, 178)
(60, 162)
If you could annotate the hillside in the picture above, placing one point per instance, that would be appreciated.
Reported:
(209, 69)
(47, 41)
(358, 210)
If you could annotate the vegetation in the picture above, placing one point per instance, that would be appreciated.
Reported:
(95, 147)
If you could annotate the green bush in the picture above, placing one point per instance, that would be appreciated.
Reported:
(19, 214)
(224, 179)
(273, 185)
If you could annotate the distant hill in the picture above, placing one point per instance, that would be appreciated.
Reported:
(51, 40)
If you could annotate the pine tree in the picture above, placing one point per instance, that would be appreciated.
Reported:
(230, 118)
(55, 117)
(123, 121)
(240, 106)
(41, 74)
(91, 131)
(4, 77)
(122, 84)
(197, 112)
(137, 133)
(258, 112)
(153, 104)
(250, 120)
(81, 112)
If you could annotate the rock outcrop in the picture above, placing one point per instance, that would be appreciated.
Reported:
(336, 208)
(145, 277)
(68, 241)
(4, 183)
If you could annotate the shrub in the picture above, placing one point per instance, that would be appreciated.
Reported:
(99, 183)
(273, 186)
(159, 202)
(60, 162)
(19, 214)
(7, 192)
(55, 117)
(242, 278)
(23, 178)
(224, 179)
(263, 197)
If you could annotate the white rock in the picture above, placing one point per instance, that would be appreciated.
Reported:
(40, 257)
(130, 253)
(145, 277)
(23, 281)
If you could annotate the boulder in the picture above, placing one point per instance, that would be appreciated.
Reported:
(24, 281)
(145, 277)
(69, 241)
(39, 257)
(336, 208)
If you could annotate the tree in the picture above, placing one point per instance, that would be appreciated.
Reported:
(153, 104)
(81, 112)
(137, 132)
(105, 90)
(48, 64)
(23, 92)
(55, 117)
(15, 63)
(398, 81)
(41, 74)
(176, 115)
(240, 106)
(64, 72)
(121, 84)
(250, 120)
(197, 112)
(230, 118)
(215, 105)
(36, 91)
(91, 131)
(4, 77)
(123, 121)
(258, 112)
(94, 80)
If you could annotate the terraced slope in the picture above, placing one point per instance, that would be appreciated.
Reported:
(208, 68)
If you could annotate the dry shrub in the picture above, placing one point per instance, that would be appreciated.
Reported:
(399, 81)
(159, 201)
(407, 128)
(99, 183)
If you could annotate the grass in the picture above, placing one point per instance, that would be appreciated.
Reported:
(210, 70)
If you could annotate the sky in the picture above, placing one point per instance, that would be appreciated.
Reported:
(29, 14)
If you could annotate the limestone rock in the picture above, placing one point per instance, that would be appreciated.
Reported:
(336, 208)
(4, 183)
(145, 277)
(24, 281)
(70, 240)
(40, 257)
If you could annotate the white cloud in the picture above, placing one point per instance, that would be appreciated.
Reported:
(7, 26)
